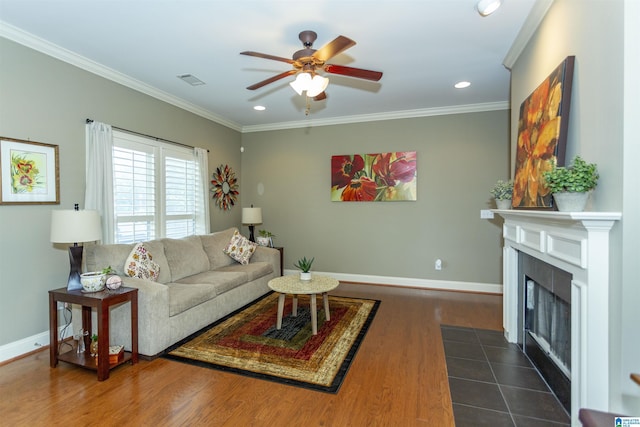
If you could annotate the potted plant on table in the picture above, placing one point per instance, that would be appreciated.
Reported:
(265, 238)
(572, 185)
(304, 265)
(503, 192)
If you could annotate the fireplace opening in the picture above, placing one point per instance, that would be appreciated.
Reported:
(545, 298)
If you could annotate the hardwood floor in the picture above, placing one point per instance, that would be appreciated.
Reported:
(398, 378)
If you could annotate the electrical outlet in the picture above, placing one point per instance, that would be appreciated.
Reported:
(61, 305)
(438, 265)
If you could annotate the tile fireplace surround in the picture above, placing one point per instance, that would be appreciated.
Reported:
(577, 242)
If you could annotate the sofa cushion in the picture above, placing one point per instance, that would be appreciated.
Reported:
(140, 264)
(214, 243)
(240, 248)
(254, 270)
(156, 248)
(182, 297)
(185, 256)
(96, 257)
(222, 281)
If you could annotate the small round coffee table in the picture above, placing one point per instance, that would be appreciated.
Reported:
(292, 285)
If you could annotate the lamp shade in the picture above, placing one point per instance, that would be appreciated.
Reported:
(317, 86)
(71, 226)
(252, 215)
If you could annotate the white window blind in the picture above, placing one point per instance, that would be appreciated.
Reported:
(156, 189)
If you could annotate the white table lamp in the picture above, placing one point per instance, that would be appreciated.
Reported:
(75, 226)
(251, 217)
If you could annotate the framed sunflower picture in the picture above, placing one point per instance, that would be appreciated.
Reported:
(381, 177)
(542, 137)
(29, 172)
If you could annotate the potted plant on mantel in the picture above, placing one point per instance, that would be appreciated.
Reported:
(503, 192)
(304, 265)
(572, 185)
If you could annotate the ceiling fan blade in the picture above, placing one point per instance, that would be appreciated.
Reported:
(271, 79)
(331, 49)
(265, 56)
(353, 72)
(321, 96)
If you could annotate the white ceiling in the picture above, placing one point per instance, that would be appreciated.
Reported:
(422, 46)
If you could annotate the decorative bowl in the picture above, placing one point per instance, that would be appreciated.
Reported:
(113, 282)
(93, 281)
(263, 241)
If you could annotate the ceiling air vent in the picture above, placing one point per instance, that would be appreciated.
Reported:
(191, 79)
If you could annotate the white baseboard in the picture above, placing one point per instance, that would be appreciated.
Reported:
(443, 285)
(26, 345)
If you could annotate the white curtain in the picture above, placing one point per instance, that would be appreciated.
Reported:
(99, 176)
(202, 213)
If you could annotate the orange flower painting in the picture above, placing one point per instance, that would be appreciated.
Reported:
(542, 136)
(374, 177)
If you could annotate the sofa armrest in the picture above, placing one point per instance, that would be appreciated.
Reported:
(270, 255)
(153, 316)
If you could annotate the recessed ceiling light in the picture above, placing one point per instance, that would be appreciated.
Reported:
(487, 7)
(191, 79)
(259, 108)
(462, 85)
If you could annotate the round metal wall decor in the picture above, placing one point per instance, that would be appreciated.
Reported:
(224, 187)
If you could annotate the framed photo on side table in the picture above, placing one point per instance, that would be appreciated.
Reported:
(29, 172)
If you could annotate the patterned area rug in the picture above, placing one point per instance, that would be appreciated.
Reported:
(247, 342)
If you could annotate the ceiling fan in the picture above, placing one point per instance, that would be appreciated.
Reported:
(307, 62)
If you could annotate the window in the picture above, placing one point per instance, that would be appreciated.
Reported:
(156, 188)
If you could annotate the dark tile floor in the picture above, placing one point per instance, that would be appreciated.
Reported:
(494, 384)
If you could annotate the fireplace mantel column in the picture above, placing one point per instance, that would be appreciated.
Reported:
(577, 242)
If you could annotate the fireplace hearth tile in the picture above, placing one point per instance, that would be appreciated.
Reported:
(536, 422)
(460, 335)
(470, 369)
(512, 392)
(518, 376)
(508, 356)
(464, 350)
(476, 393)
(478, 417)
(492, 338)
(530, 403)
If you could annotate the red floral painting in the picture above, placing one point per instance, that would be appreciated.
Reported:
(378, 177)
(542, 136)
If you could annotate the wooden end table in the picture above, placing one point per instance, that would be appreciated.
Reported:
(102, 301)
(291, 284)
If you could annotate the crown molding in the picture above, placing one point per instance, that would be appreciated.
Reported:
(393, 115)
(535, 17)
(29, 40)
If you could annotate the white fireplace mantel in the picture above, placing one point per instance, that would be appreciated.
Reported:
(577, 242)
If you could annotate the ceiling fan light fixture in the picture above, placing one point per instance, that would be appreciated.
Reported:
(301, 83)
(317, 86)
(487, 7)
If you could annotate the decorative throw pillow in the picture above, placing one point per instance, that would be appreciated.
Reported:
(240, 248)
(140, 264)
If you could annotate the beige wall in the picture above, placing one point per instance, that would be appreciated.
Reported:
(594, 31)
(45, 100)
(459, 159)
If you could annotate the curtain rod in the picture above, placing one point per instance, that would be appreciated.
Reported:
(148, 136)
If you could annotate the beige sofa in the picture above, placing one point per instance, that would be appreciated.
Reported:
(197, 284)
